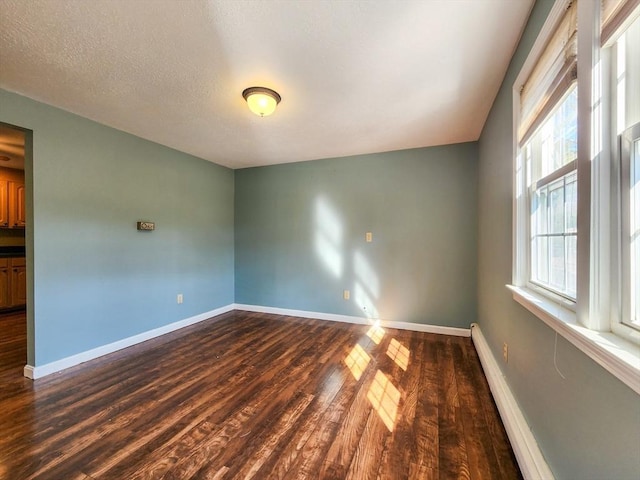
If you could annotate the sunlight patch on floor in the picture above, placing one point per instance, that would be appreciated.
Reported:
(376, 333)
(398, 353)
(357, 361)
(384, 398)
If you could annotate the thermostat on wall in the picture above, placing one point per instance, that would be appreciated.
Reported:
(146, 226)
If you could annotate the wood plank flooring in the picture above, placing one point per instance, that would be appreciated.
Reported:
(250, 395)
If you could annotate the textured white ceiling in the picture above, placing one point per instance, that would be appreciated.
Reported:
(355, 76)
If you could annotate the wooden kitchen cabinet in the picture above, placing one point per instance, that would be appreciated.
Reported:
(4, 204)
(12, 204)
(5, 300)
(17, 213)
(18, 282)
(13, 282)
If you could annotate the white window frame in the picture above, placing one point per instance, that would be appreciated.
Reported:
(592, 324)
(620, 327)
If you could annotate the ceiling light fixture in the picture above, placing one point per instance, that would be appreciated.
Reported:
(261, 100)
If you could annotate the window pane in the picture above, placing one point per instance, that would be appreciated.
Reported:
(627, 77)
(556, 207)
(558, 137)
(539, 212)
(558, 267)
(540, 260)
(553, 240)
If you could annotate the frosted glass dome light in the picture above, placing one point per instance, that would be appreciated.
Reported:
(261, 100)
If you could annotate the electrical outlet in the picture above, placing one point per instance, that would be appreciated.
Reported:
(180, 298)
(346, 294)
(505, 352)
(368, 237)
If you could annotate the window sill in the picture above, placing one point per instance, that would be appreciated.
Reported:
(619, 357)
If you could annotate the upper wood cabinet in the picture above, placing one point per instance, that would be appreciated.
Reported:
(12, 204)
(17, 214)
(4, 204)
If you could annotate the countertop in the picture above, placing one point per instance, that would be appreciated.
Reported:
(11, 252)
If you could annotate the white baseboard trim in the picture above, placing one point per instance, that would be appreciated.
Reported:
(35, 372)
(64, 363)
(530, 459)
(416, 327)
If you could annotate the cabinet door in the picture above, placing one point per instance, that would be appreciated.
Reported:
(4, 287)
(18, 286)
(4, 204)
(17, 214)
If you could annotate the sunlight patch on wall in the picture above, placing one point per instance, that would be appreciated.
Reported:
(366, 274)
(328, 237)
(398, 353)
(357, 361)
(384, 398)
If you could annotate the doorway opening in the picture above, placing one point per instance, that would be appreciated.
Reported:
(13, 251)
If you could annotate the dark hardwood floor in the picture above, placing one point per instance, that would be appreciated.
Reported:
(256, 396)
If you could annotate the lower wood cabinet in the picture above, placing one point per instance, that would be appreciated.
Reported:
(5, 281)
(13, 282)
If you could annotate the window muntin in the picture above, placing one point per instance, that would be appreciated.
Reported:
(550, 156)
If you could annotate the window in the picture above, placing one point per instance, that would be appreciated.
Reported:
(576, 256)
(623, 48)
(550, 156)
(630, 220)
(548, 152)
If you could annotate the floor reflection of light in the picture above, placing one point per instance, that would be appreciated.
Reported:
(334, 381)
(398, 353)
(384, 397)
(357, 361)
(328, 237)
(376, 333)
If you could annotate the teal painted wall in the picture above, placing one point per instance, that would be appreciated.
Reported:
(587, 425)
(441, 223)
(96, 279)
(300, 235)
